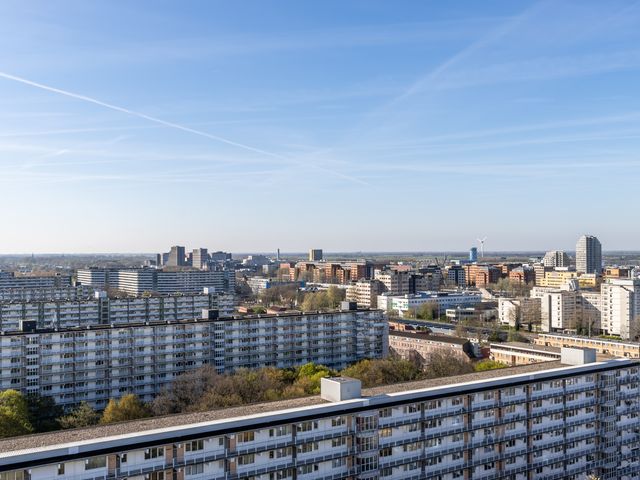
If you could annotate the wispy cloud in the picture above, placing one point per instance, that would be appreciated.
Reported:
(175, 126)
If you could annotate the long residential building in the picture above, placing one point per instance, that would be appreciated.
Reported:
(96, 363)
(79, 292)
(9, 281)
(140, 280)
(100, 309)
(607, 346)
(546, 422)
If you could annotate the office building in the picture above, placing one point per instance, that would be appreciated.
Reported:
(439, 300)
(258, 284)
(315, 254)
(545, 421)
(473, 254)
(556, 258)
(95, 363)
(200, 258)
(456, 276)
(395, 282)
(177, 257)
(589, 255)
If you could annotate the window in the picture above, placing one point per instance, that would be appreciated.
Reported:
(307, 469)
(306, 426)
(95, 462)
(154, 452)
(244, 437)
(338, 442)
(386, 452)
(61, 469)
(194, 445)
(194, 469)
(246, 459)
(339, 462)
(338, 421)
(307, 447)
(280, 431)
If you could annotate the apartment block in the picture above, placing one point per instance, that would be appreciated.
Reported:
(519, 311)
(621, 308)
(556, 258)
(101, 309)
(365, 293)
(546, 422)
(96, 363)
(141, 280)
(11, 281)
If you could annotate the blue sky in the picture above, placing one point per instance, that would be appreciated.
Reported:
(347, 125)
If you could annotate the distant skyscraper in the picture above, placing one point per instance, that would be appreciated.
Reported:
(315, 254)
(176, 257)
(588, 255)
(199, 258)
(556, 258)
(473, 254)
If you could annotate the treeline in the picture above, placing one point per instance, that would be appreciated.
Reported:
(205, 389)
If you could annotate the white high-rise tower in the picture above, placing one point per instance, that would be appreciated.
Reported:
(588, 255)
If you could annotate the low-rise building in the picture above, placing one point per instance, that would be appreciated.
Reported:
(439, 300)
(420, 346)
(519, 353)
(606, 346)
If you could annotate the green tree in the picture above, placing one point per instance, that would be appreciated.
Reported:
(128, 407)
(335, 295)
(43, 413)
(81, 416)
(484, 365)
(426, 311)
(14, 414)
(373, 373)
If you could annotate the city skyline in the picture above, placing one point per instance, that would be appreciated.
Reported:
(123, 124)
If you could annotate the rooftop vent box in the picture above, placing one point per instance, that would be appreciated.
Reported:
(28, 325)
(337, 389)
(348, 306)
(577, 356)
(209, 314)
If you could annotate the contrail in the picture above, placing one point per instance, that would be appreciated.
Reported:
(176, 126)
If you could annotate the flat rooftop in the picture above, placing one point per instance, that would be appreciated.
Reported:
(30, 442)
(429, 336)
